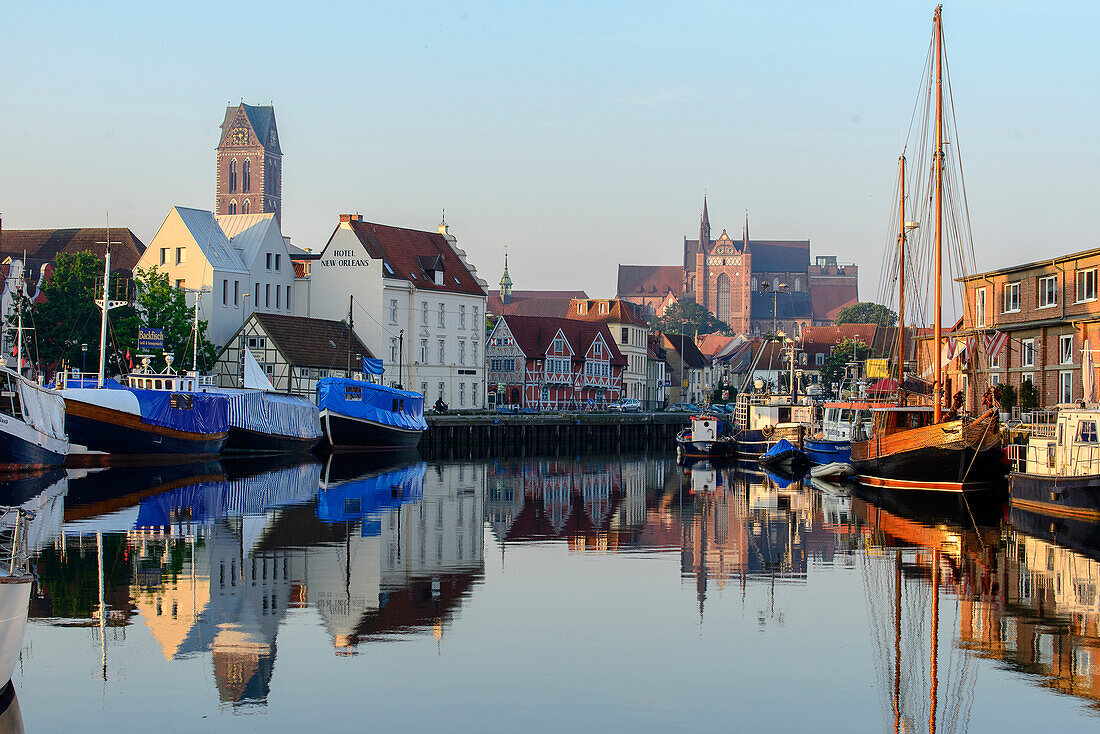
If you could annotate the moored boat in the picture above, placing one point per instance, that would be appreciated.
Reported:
(32, 425)
(708, 437)
(1058, 475)
(15, 588)
(366, 416)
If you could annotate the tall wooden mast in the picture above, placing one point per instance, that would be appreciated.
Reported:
(937, 381)
(901, 271)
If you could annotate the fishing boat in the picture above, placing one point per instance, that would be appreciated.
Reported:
(786, 458)
(165, 416)
(15, 588)
(366, 416)
(708, 437)
(915, 446)
(841, 422)
(1057, 473)
(761, 418)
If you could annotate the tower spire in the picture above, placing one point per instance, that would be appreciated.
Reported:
(704, 227)
(745, 238)
(506, 281)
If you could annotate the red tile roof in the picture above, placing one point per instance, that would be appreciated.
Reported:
(307, 342)
(406, 253)
(711, 344)
(44, 245)
(533, 303)
(618, 311)
(650, 280)
(534, 335)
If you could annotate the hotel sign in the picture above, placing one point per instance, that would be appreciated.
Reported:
(344, 259)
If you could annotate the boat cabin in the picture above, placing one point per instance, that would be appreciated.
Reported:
(842, 421)
(754, 412)
(1073, 451)
(169, 383)
(889, 419)
(10, 401)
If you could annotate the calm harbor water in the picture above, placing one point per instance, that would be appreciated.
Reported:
(591, 594)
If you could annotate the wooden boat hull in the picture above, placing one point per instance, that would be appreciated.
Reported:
(1076, 498)
(118, 433)
(357, 434)
(945, 457)
(244, 441)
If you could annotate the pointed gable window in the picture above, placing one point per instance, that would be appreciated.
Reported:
(246, 206)
(233, 207)
(233, 178)
(246, 177)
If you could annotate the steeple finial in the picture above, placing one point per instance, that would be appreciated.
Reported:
(704, 227)
(745, 241)
(506, 281)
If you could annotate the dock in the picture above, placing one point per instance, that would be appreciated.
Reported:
(458, 436)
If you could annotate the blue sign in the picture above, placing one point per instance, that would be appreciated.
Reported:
(150, 338)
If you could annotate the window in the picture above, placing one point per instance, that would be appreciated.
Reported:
(267, 295)
(1027, 353)
(462, 316)
(246, 206)
(423, 388)
(624, 338)
(237, 293)
(180, 283)
(442, 312)
(1048, 291)
(393, 310)
(473, 396)
(819, 359)
(1086, 285)
(225, 292)
(164, 256)
(246, 177)
(473, 352)
(1065, 387)
(979, 307)
(1012, 297)
(462, 351)
(393, 349)
(256, 296)
(423, 351)
(441, 391)
(442, 351)
(278, 294)
(181, 257)
(1065, 349)
(462, 394)
(233, 183)
(288, 298)
(582, 308)
(233, 207)
(995, 362)
(424, 313)
(269, 261)
(278, 259)
(1086, 432)
(995, 378)
(596, 349)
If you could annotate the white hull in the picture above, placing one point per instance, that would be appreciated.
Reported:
(15, 595)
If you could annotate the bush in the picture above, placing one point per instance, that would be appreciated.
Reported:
(1008, 398)
(1028, 396)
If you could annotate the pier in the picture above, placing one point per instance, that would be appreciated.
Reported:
(454, 436)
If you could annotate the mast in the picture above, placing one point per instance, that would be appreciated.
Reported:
(195, 348)
(106, 308)
(901, 271)
(351, 303)
(932, 693)
(19, 310)
(937, 380)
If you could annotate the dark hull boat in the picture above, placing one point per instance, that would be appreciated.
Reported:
(269, 422)
(133, 423)
(954, 456)
(32, 425)
(824, 451)
(707, 438)
(363, 416)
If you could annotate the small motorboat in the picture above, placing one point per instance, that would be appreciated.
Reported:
(785, 457)
(708, 438)
(832, 470)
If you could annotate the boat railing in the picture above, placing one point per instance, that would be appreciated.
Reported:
(1077, 459)
(13, 538)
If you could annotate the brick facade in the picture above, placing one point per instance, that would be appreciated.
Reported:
(250, 163)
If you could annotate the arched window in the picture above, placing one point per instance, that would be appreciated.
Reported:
(755, 283)
(246, 207)
(233, 176)
(246, 176)
(775, 283)
(233, 207)
(798, 285)
(691, 284)
(724, 297)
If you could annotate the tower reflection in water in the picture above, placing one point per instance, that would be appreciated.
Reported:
(215, 563)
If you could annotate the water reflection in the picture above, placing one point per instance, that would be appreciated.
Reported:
(218, 562)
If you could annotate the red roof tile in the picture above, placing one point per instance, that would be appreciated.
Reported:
(534, 335)
(44, 245)
(533, 303)
(650, 280)
(618, 311)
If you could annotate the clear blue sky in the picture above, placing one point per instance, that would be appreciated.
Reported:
(581, 135)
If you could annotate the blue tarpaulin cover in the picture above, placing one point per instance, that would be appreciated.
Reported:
(372, 366)
(369, 401)
(198, 412)
(274, 413)
(364, 499)
(782, 447)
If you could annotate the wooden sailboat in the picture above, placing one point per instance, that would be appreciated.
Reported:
(917, 446)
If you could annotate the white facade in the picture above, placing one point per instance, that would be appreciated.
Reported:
(238, 263)
(430, 340)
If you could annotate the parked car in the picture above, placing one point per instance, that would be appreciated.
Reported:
(683, 408)
(507, 408)
(721, 409)
(627, 405)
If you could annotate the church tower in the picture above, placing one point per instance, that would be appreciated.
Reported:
(250, 163)
(505, 284)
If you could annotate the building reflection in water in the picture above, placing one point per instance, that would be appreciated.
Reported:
(215, 563)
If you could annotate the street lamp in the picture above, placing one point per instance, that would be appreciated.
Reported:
(84, 362)
(765, 287)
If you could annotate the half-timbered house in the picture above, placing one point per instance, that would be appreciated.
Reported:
(554, 364)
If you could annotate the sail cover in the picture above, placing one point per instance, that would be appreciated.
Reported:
(372, 366)
(368, 401)
(273, 413)
(254, 376)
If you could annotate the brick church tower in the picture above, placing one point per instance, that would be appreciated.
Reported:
(250, 163)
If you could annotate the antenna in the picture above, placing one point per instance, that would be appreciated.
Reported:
(105, 303)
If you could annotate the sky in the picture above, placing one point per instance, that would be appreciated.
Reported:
(578, 135)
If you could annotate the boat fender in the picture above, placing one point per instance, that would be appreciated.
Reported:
(767, 431)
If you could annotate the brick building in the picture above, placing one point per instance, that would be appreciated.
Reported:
(748, 283)
(250, 163)
(1046, 309)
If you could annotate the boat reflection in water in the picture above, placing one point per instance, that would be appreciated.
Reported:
(211, 557)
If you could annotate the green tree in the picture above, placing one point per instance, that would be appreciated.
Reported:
(1028, 396)
(866, 313)
(688, 317)
(162, 305)
(1008, 398)
(69, 316)
(836, 364)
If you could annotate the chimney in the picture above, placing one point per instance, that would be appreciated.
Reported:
(345, 218)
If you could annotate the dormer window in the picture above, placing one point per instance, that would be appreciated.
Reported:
(432, 267)
(438, 277)
(582, 308)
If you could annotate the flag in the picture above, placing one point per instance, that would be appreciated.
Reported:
(994, 343)
(129, 360)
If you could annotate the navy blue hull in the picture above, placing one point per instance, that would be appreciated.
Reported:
(1069, 497)
(17, 454)
(1082, 536)
(821, 451)
(242, 440)
(358, 435)
(119, 440)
